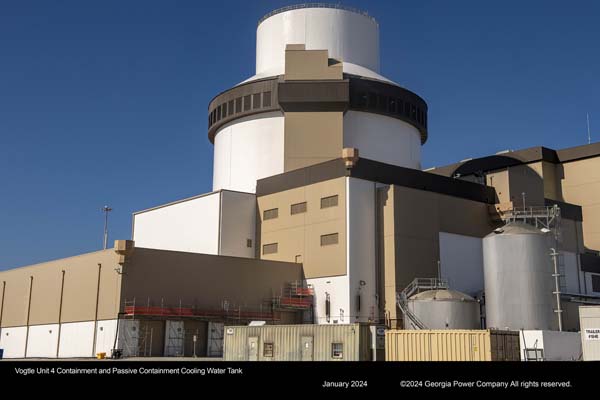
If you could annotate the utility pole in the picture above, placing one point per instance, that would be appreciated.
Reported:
(106, 210)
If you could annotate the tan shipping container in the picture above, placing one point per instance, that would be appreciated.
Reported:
(451, 345)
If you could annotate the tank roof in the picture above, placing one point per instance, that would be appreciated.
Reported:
(516, 228)
(442, 295)
(317, 5)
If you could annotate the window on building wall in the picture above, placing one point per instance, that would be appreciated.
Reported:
(363, 100)
(270, 214)
(238, 105)
(399, 106)
(247, 102)
(372, 101)
(331, 201)
(270, 248)
(337, 350)
(596, 283)
(329, 239)
(382, 103)
(298, 208)
(267, 99)
(268, 350)
(219, 113)
(224, 110)
(230, 108)
(407, 110)
(256, 100)
(413, 113)
(248, 242)
(392, 105)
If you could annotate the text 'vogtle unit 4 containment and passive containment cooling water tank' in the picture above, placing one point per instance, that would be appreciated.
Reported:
(518, 278)
(444, 309)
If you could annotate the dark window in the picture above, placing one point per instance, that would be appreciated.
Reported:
(406, 109)
(327, 306)
(392, 105)
(230, 108)
(372, 101)
(224, 110)
(330, 201)
(238, 105)
(337, 350)
(248, 242)
(256, 100)
(219, 113)
(247, 101)
(596, 283)
(210, 119)
(270, 248)
(267, 99)
(270, 214)
(298, 208)
(413, 112)
(400, 106)
(329, 239)
(363, 100)
(382, 103)
(268, 350)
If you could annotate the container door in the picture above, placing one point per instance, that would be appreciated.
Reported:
(253, 348)
(307, 348)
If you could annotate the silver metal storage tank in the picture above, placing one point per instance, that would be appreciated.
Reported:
(517, 270)
(444, 309)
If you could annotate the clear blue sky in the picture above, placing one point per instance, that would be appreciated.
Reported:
(105, 101)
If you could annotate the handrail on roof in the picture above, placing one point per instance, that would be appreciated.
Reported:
(317, 5)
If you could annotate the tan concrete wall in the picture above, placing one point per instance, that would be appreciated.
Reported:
(581, 185)
(513, 181)
(203, 280)
(311, 138)
(300, 234)
(303, 64)
(79, 293)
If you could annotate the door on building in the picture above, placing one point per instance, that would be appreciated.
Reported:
(253, 348)
(307, 348)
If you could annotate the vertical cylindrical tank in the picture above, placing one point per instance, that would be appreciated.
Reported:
(349, 35)
(518, 278)
(444, 309)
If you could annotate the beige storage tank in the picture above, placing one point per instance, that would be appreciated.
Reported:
(451, 345)
(444, 309)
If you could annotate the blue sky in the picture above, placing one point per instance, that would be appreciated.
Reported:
(105, 102)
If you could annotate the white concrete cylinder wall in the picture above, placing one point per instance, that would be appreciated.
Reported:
(76, 340)
(347, 35)
(42, 341)
(385, 139)
(248, 149)
(12, 340)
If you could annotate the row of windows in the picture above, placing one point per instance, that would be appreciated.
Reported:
(326, 240)
(389, 105)
(244, 103)
(299, 208)
(337, 350)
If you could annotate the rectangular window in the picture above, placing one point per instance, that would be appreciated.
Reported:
(372, 101)
(267, 99)
(248, 242)
(209, 119)
(270, 214)
(407, 110)
(219, 113)
(534, 354)
(268, 350)
(298, 208)
(247, 101)
(238, 105)
(337, 350)
(382, 103)
(230, 108)
(329, 239)
(331, 201)
(224, 110)
(392, 105)
(256, 100)
(400, 107)
(596, 283)
(270, 248)
(413, 113)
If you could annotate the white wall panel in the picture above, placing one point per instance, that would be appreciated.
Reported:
(43, 341)
(105, 336)
(338, 289)
(238, 224)
(360, 195)
(190, 226)
(12, 341)
(347, 36)
(76, 339)
(382, 138)
(462, 262)
(248, 149)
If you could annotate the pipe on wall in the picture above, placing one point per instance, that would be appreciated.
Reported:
(60, 304)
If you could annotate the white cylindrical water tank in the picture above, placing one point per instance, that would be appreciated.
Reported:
(518, 278)
(444, 309)
(349, 35)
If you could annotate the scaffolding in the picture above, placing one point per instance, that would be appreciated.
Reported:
(295, 295)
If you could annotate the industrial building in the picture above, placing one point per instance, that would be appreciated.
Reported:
(320, 214)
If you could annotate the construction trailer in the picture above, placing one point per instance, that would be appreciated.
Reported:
(343, 342)
(590, 332)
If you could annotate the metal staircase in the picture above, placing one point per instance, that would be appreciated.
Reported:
(416, 286)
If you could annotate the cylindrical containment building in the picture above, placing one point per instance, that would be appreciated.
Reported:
(518, 278)
(317, 90)
(444, 309)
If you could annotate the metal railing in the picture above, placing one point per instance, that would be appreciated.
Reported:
(416, 286)
(316, 5)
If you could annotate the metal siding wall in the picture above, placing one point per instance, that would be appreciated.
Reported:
(42, 341)
(76, 339)
(13, 341)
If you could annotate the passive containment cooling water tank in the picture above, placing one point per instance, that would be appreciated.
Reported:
(517, 270)
(444, 309)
